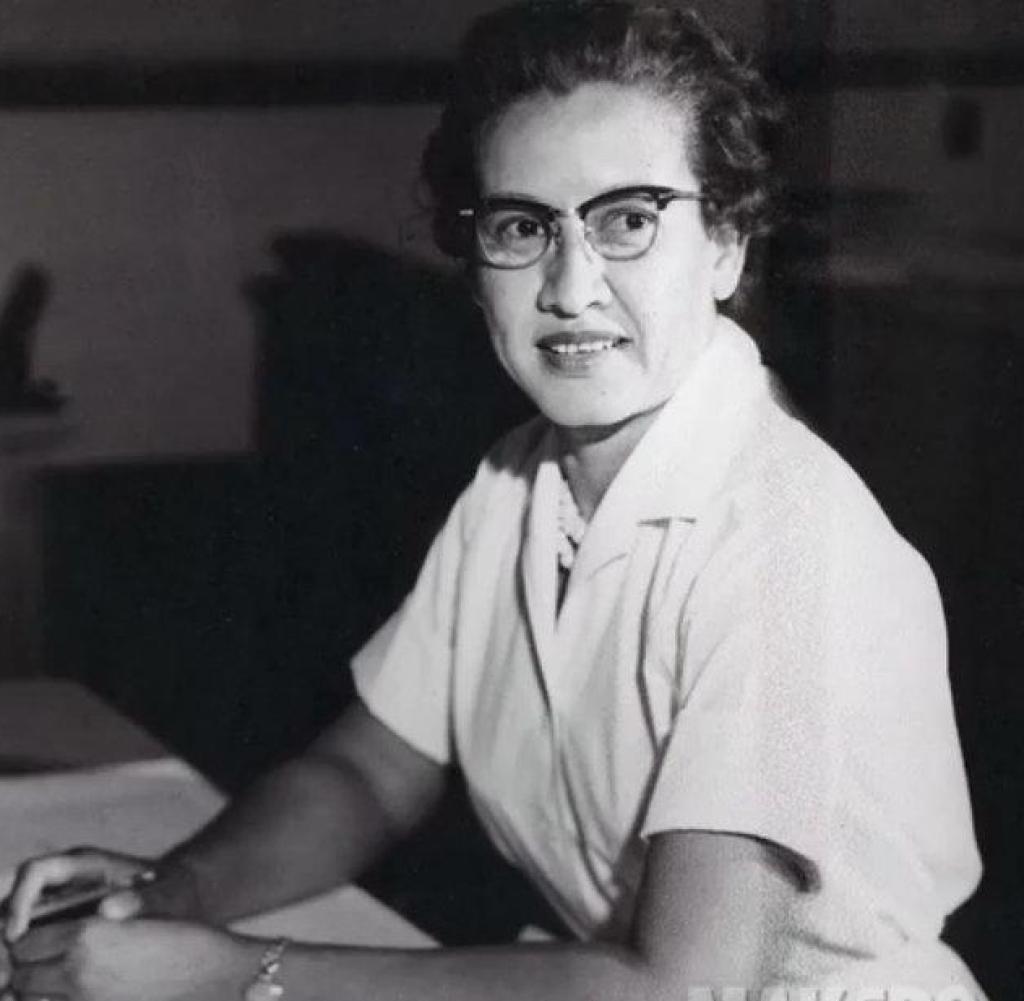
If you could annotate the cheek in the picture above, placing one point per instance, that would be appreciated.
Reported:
(677, 294)
(671, 317)
(652, 307)
(507, 304)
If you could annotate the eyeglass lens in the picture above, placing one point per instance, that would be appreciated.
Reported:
(518, 235)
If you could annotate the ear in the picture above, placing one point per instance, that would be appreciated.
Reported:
(730, 255)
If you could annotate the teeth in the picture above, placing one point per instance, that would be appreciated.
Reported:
(588, 348)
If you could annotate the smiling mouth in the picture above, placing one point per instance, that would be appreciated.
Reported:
(591, 348)
(566, 346)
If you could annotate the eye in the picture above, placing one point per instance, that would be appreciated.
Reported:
(632, 219)
(509, 227)
(623, 223)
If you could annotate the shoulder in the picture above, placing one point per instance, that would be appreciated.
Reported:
(811, 520)
(804, 589)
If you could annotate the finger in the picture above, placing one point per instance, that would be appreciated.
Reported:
(121, 906)
(33, 877)
(45, 943)
(40, 980)
(36, 875)
(114, 868)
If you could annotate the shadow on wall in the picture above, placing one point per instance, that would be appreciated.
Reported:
(379, 393)
(219, 601)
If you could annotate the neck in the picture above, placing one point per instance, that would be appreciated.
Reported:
(591, 457)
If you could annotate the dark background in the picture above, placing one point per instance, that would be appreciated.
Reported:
(274, 388)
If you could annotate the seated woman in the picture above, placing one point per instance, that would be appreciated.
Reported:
(694, 679)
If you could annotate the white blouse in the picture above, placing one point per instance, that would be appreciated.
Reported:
(746, 645)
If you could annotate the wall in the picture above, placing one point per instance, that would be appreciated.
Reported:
(66, 29)
(926, 24)
(149, 224)
(951, 140)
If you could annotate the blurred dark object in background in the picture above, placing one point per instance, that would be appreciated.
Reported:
(23, 307)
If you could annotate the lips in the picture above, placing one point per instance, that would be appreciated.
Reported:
(579, 346)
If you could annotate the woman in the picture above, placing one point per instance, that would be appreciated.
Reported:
(690, 672)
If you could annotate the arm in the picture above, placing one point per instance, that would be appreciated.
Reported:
(713, 911)
(309, 825)
(314, 823)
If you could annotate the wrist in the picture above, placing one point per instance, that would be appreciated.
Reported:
(265, 983)
(172, 890)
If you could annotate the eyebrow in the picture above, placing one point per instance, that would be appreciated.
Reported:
(517, 200)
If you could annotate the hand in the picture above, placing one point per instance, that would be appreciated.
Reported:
(117, 871)
(5, 973)
(102, 960)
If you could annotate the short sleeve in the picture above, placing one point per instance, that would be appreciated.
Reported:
(403, 674)
(814, 709)
(785, 638)
(752, 747)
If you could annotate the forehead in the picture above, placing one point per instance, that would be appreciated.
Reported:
(563, 149)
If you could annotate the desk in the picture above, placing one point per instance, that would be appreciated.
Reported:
(142, 804)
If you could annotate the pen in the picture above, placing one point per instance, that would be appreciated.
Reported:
(77, 899)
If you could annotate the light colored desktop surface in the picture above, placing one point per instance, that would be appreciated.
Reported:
(142, 805)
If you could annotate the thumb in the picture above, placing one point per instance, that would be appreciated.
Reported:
(121, 906)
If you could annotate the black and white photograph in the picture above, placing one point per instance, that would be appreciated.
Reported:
(511, 500)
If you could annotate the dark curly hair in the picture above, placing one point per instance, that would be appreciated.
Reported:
(555, 46)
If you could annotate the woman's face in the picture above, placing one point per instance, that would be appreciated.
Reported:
(596, 343)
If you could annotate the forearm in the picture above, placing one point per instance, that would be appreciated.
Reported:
(306, 826)
(311, 824)
(561, 972)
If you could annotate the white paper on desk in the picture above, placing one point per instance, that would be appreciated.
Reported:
(144, 808)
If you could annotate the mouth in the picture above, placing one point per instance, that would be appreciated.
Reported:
(577, 349)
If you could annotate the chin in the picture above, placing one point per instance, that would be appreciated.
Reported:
(586, 416)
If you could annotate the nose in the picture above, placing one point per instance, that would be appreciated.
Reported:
(574, 276)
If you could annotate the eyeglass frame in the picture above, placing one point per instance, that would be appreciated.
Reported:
(661, 195)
